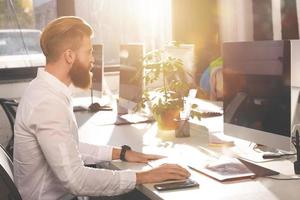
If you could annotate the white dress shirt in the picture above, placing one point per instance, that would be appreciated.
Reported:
(48, 159)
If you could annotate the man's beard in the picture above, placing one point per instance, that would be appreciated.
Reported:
(80, 75)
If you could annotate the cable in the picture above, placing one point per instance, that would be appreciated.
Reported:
(283, 179)
(19, 27)
(271, 155)
(296, 142)
(262, 161)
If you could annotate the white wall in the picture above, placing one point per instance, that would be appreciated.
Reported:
(236, 20)
(276, 18)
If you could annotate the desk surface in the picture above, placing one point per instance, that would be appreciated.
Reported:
(146, 138)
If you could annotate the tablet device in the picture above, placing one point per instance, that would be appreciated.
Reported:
(224, 169)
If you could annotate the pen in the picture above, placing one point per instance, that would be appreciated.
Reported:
(276, 155)
(271, 155)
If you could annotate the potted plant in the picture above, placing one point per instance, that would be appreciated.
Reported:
(165, 101)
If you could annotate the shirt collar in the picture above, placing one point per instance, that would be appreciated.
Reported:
(53, 81)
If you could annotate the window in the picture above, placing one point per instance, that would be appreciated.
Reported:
(21, 22)
(12, 44)
(114, 22)
(118, 22)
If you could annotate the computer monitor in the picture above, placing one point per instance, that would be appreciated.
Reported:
(131, 85)
(295, 92)
(186, 53)
(258, 92)
(98, 70)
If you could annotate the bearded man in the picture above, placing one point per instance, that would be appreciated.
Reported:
(48, 158)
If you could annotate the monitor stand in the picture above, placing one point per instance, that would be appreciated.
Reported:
(259, 171)
(126, 116)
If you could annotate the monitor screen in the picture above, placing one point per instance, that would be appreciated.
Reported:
(295, 111)
(131, 86)
(186, 53)
(98, 71)
(257, 92)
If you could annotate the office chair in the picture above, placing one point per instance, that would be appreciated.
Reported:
(8, 188)
(10, 106)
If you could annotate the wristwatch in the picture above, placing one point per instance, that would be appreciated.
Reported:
(123, 152)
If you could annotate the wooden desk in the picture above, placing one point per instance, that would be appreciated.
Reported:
(143, 137)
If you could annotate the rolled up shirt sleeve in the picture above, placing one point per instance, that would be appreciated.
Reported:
(94, 153)
(62, 153)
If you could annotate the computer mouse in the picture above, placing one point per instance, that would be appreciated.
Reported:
(94, 107)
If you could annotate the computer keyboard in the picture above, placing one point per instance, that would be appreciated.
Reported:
(92, 109)
(210, 114)
(120, 120)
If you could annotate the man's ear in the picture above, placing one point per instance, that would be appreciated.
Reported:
(69, 56)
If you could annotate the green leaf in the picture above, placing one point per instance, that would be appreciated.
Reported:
(158, 65)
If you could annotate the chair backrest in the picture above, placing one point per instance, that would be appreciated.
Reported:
(10, 106)
(8, 189)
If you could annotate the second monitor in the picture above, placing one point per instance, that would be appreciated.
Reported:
(98, 71)
(259, 97)
(131, 86)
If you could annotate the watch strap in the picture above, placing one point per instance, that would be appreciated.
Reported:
(124, 148)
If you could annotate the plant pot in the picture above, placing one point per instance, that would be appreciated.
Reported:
(166, 135)
(166, 120)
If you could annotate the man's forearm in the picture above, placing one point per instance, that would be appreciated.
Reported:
(116, 153)
(142, 177)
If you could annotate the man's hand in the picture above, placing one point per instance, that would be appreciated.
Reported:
(162, 173)
(133, 156)
(159, 174)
